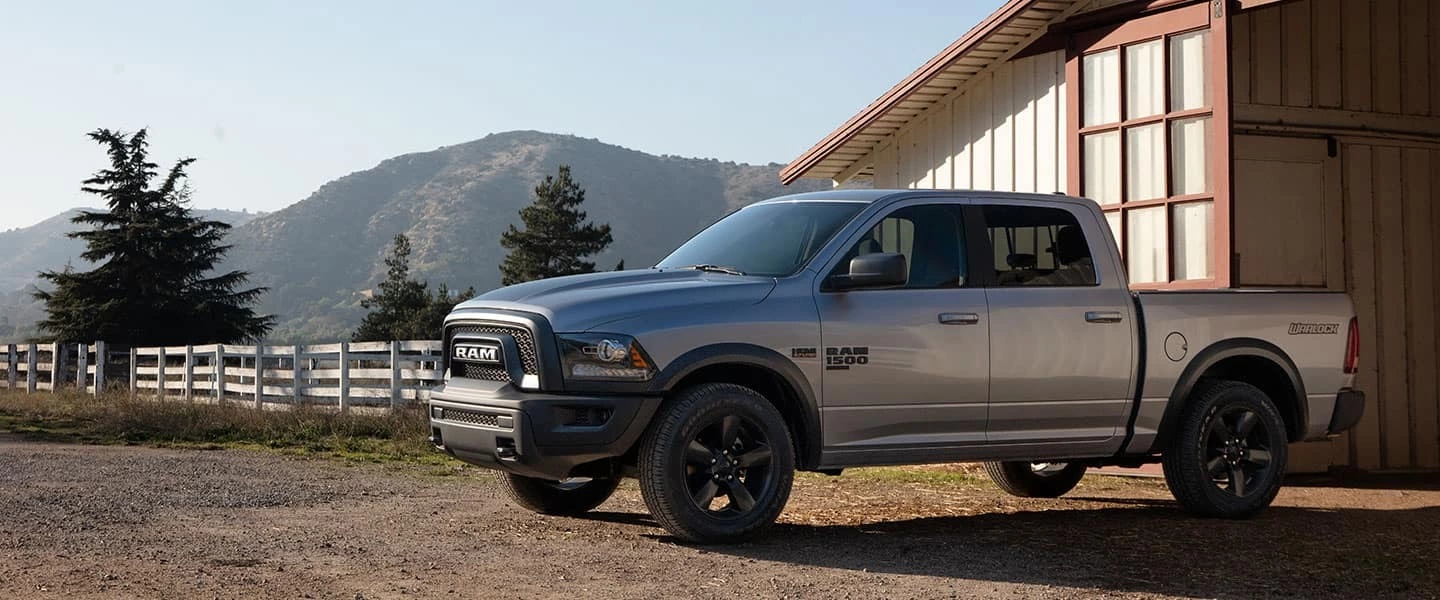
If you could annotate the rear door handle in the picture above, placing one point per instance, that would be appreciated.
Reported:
(959, 318)
(1103, 316)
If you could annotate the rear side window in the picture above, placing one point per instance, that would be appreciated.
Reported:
(1036, 246)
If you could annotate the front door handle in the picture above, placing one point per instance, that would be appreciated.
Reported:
(959, 318)
(1103, 316)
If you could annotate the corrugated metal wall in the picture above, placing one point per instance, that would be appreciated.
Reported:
(1346, 62)
(1005, 131)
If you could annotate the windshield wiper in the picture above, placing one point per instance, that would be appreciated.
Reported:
(714, 269)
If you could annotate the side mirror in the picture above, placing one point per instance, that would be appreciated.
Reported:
(880, 270)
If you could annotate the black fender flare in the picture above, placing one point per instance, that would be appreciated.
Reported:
(1213, 355)
(754, 356)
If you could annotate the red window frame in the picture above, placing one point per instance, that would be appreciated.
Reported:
(1162, 20)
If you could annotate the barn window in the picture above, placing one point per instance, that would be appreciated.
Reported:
(1145, 138)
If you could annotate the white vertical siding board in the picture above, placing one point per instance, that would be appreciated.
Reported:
(963, 144)
(942, 146)
(1002, 109)
(1062, 136)
(982, 155)
(905, 156)
(1047, 132)
(1025, 130)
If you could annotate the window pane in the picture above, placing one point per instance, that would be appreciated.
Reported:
(1146, 245)
(1190, 145)
(1102, 88)
(1038, 246)
(930, 238)
(1194, 228)
(1189, 84)
(1102, 167)
(1144, 80)
(1145, 162)
(1113, 217)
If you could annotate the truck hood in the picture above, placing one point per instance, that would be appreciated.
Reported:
(583, 302)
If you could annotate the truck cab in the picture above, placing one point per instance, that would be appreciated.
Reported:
(846, 328)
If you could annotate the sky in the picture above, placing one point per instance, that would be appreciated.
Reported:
(275, 98)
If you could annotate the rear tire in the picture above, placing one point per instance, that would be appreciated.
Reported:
(565, 498)
(1228, 455)
(717, 464)
(1035, 480)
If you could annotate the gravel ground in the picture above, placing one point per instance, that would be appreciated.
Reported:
(128, 522)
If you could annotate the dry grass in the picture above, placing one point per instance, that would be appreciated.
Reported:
(122, 419)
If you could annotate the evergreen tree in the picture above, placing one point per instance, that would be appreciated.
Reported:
(404, 308)
(153, 283)
(556, 235)
(620, 266)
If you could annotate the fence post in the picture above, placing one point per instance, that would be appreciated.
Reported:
(57, 366)
(160, 374)
(102, 356)
(32, 360)
(134, 371)
(82, 364)
(219, 372)
(11, 363)
(259, 374)
(344, 377)
(295, 375)
(394, 375)
(189, 390)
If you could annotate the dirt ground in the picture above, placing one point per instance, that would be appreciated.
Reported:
(128, 522)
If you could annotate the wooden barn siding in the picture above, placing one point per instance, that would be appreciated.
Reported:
(1346, 59)
(1354, 55)
(1004, 131)
(1394, 268)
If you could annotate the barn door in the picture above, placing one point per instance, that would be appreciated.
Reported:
(1288, 217)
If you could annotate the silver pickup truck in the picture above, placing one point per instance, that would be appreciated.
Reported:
(869, 327)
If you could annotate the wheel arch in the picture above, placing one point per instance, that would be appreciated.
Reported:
(1248, 360)
(759, 368)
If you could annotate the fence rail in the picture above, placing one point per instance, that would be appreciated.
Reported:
(370, 374)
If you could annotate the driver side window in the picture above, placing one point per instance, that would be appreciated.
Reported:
(930, 237)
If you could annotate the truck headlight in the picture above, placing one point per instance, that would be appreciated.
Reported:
(603, 357)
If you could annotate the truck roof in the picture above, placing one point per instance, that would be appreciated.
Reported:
(868, 196)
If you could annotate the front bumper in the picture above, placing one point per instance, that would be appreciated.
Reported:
(548, 436)
(1349, 407)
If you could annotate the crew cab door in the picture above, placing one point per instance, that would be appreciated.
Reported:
(1062, 330)
(906, 368)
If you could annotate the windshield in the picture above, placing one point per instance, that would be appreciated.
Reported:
(774, 240)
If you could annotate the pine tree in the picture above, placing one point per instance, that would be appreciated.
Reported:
(556, 236)
(153, 283)
(404, 308)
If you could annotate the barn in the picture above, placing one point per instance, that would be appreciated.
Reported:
(1231, 144)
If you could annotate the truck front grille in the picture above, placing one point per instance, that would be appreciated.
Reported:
(524, 342)
(471, 417)
(482, 373)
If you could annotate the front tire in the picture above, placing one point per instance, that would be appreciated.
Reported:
(1035, 480)
(565, 498)
(717, 464)
(1228, 456)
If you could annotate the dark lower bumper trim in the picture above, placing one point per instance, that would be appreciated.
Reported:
(537, 435)
(1349, 407)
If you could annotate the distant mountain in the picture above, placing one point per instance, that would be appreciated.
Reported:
(319, 255)
(44, 245)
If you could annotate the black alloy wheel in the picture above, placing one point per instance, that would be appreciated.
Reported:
(727, 466)
(1237, 450)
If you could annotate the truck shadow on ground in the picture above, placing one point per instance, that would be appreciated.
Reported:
(1146, 546)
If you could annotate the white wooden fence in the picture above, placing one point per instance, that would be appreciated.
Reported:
(373, 374)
